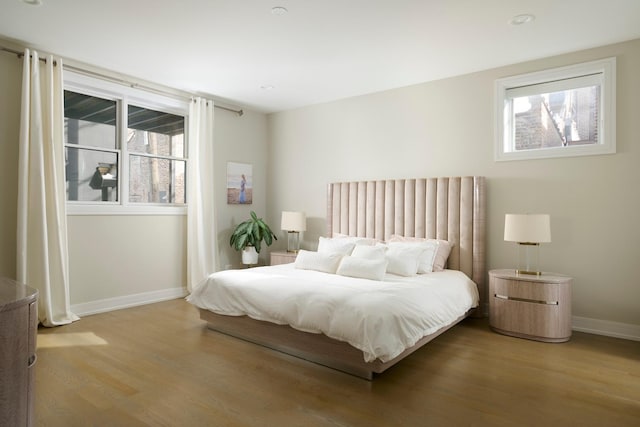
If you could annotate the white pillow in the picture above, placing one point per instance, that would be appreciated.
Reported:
(325, 262)
(403, 259)
(338, 245)
(442, 250)
(442, 254)
(427, 257)
(356, 240)
(363, 268)
(369, 252)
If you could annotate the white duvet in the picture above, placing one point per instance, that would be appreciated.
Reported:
(381, 318)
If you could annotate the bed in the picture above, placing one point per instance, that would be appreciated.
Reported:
(450, 209)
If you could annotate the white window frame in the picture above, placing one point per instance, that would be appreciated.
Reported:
(93, 86)
(601, 72)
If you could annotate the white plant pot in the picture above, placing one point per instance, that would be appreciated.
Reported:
(249, 255)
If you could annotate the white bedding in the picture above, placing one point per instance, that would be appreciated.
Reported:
(381, 318)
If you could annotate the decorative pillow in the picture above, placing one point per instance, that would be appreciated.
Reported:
(442, 250)
(325, 262)
(403, 259)
(339, 245)
(426, 260)
(362, 268)
(369, 252)
(356, 240)
(406, 239)
(442, 255)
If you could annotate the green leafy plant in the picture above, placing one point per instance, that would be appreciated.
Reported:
(251, 233)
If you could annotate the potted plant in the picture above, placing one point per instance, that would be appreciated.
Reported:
(248, 236)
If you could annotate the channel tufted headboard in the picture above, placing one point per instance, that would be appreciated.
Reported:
(450, 209)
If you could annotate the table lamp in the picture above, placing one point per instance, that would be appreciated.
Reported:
(293, 223)
(528, 231)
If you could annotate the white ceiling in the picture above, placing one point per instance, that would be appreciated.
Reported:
(321, 50)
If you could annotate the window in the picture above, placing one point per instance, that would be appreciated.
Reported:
(567, 111)
(92, 154)
(155, 142)
(126, 150)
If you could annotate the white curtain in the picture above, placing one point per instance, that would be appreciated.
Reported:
(201, 230)
(42, 255)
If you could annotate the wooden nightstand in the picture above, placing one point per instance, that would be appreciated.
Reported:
(282, 257)
(527, 306)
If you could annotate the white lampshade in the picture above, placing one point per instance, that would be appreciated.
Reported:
(527, 228)
(293, 221)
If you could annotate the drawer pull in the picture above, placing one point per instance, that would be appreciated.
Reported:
(533, 301)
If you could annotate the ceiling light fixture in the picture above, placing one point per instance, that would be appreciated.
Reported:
(279, 11)
(267, 87)
(522, 19)
(33, 2)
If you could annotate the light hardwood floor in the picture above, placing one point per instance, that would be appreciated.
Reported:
(160, 366)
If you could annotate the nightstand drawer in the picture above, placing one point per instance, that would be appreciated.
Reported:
(530, 319)
(281, 257)
(520, 289)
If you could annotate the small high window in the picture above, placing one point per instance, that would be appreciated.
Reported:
(567, 111)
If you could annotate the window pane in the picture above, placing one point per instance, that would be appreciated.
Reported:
(557, 119)
(89, 120)
(91, 175)
(155, 132)
(153, 180)
(561, 112)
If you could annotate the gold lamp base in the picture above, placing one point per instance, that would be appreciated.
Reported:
(531, 273)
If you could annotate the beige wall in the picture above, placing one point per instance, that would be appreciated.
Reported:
(446, 128)
(10, 77)
(119, 256)
(239, 139)
(116, 256)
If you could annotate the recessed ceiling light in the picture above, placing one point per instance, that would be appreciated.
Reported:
(33, 2)
(267, 87)
(279, 10)
(522, 19)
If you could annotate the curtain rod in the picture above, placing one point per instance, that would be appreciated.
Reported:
(118, 80)
(21, 54)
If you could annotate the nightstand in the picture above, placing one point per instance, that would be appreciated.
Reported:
(282, 257)
(528, 306)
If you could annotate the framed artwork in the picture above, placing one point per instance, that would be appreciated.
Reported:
(239, 183)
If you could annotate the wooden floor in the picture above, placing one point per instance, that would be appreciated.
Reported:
(158, 365)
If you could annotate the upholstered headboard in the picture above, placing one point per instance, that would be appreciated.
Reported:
(451, 209)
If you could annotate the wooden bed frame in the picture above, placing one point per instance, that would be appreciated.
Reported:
(451, 209)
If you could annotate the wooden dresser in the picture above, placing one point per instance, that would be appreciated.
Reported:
(18, 332)
(527, 306)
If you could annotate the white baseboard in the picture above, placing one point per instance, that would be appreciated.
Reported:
(606, 327)
(117, 303)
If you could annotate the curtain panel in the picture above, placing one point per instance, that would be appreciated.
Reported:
(201, 229)
(42, 253)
